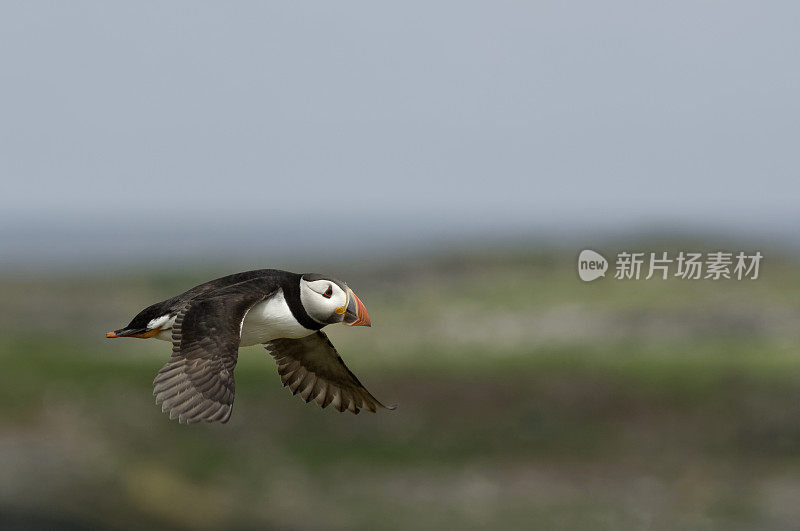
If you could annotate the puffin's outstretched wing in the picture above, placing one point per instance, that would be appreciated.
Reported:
(311, 367)
(197, 382)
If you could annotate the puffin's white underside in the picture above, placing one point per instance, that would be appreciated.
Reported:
(267, 320)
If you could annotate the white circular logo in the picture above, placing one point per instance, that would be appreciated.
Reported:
(591, 265)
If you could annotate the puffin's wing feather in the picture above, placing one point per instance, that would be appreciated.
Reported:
(197, 382)
(311, 367)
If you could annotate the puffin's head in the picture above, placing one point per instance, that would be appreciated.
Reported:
(330, 301)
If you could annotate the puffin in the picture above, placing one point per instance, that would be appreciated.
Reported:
(285, 312)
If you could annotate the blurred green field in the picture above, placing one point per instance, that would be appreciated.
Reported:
(527, 399)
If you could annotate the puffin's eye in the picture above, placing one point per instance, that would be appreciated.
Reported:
(328, 293)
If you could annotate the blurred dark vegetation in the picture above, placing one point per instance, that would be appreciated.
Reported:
(526, 399)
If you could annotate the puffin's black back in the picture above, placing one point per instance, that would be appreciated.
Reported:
(272, 279)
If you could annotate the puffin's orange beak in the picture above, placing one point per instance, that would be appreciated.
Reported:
(356, 314)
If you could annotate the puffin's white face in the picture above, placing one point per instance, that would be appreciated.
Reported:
(324, 300)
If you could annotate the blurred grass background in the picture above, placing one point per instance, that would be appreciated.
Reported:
(527, 399)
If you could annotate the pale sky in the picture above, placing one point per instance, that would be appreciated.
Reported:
(310, 121)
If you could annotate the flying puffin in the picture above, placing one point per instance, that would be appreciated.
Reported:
(283, 311)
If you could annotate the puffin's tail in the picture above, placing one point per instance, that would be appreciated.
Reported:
(142, 333)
